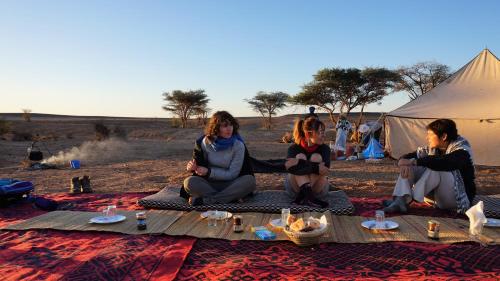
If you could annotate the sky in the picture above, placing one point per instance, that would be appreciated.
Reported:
(116, 58)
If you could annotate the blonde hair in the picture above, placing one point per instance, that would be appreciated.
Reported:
(302, 126)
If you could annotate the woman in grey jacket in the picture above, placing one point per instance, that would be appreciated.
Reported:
(220, 166)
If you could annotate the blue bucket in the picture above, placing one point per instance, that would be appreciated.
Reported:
(75, 164)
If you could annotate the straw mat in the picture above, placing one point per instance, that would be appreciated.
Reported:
(342, 229)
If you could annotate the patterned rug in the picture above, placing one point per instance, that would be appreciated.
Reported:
(70, 255)
(267, 201)
(253, 260)
(57, 255)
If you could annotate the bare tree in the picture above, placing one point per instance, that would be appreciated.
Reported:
(268, 104)
(27, 115)
(185, 103)
(420, 78)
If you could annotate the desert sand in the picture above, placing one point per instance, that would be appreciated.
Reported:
(154, 154)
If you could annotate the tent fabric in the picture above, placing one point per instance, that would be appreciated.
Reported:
(470, 97)
(373, 150)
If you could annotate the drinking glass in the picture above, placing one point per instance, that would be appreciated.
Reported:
(111, 210)
(285, 213)
(379, 218)
(212, 218)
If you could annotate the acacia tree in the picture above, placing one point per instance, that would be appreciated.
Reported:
(421, 77)
(268, 104)
(27, 115)
(377, 83)
(185, 103)
(346, 89)
(202, 114)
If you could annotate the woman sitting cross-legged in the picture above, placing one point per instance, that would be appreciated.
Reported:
(311, 187)
(442, 173)
(220, 165)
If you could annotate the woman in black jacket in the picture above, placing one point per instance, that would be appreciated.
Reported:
(443, 172)
(309, 188)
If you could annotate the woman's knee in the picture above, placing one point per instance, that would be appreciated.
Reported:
(301, 156)
(190, 183)
(248, 182)
(316, 157)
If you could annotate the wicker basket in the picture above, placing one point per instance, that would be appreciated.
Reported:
(305, 238)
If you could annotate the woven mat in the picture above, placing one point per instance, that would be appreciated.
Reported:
(157, 222)
(269, 201)
(346, 229)
(491, 204)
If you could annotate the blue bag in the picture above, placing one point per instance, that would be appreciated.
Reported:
(11, 188)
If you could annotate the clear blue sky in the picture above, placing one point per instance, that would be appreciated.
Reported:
(118, 57)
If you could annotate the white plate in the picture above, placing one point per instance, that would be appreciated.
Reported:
(276, 223)
(221, 215)
(492, 222)
(386, 225)
(106, 220)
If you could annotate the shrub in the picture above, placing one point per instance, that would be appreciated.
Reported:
(175, 123)
(101, 131)
(21, 136)
(4, 127)
(287, 137)
(119, 132)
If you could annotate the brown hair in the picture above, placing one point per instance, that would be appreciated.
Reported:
(306, 125)
(217, 119)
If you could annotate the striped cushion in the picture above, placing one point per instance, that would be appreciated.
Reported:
(491, 204)
(270, 201)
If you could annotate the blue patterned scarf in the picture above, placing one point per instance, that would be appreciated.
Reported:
(222, 143)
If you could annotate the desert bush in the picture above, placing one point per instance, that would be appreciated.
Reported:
(101, 131)
(27, 115)
(119, 132)
(287, 137)
(21, 136)
(4, 127)
(175, 123)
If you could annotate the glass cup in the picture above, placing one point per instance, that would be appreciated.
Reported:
(212, 218)
(111, 210)
(379, 218)
(285, 213)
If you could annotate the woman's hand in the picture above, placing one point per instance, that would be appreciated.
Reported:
(406, 162)
(323, 170)
(405, 171)
(201, 171)
(191, 166)
(290, 162)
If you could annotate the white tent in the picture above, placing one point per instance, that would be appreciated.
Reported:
(470, 97)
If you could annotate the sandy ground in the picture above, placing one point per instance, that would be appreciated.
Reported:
(154, 156)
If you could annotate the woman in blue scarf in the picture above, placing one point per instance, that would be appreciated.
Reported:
(220, 164)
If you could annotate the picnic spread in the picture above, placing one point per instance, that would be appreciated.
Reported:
(176, 247)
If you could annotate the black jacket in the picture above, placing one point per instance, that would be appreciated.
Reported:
(457, 160)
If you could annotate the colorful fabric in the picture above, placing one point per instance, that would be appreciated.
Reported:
(255, 260)
(306, 147)
(71, 255)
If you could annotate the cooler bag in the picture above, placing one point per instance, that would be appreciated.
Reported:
(11, 188)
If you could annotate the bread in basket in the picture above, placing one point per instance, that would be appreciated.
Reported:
(306, 232)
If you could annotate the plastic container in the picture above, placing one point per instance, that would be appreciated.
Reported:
(75, 164)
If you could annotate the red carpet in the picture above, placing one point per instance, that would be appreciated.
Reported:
(255, 260)
(60, 255)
